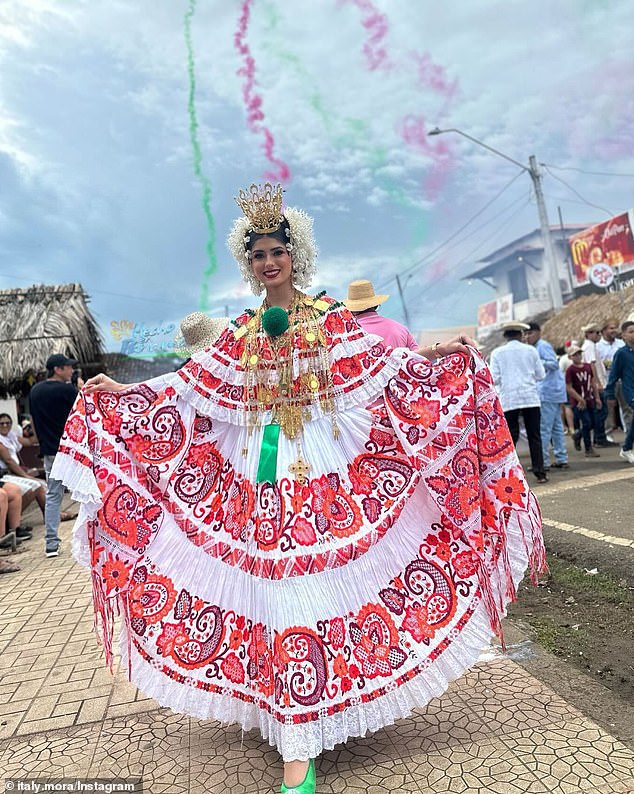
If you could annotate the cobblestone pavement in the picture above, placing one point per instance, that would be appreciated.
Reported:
(62, 714)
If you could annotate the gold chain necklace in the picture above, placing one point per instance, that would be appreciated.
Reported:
(289, 373)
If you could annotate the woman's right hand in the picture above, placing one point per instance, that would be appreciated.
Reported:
(102, 383)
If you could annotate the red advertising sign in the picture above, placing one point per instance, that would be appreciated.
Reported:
(611, 243)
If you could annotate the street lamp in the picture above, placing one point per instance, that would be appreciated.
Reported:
(533, 172)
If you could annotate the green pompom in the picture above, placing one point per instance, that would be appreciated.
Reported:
(275, 321)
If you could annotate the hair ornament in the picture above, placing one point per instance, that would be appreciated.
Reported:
(262, 205)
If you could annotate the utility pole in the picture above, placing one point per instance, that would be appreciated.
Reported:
(547, 240)
(400, 292)
(554, 287)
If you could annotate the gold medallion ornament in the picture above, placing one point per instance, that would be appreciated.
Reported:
(289, 373)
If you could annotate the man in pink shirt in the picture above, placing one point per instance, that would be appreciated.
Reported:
(363, 303)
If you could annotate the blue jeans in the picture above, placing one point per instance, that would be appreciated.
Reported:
(586, 418)
(629, 438)
(600, 415)
(53, 509)
(552, 429)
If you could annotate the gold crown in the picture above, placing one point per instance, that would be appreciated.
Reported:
(262, 205)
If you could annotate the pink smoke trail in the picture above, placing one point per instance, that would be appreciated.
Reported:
(253, 100)
(413, 131)
(377, 26)
(432, 75)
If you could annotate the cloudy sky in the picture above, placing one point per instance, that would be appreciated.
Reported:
(127, 126)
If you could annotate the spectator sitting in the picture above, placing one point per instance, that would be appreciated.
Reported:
(7, 539)
(12, 471)
(11, 498)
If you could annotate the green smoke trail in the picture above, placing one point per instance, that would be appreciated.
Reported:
(203, 303)
(355, 133)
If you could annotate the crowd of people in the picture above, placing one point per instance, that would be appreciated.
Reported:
(50, 402)
(587, 391)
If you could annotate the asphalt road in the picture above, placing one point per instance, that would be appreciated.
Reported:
(588, 511)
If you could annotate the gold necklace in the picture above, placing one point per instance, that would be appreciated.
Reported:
(289, 373)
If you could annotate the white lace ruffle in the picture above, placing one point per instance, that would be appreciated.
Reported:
(303, 741)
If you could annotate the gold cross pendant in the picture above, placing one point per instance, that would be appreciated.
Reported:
(299, 470)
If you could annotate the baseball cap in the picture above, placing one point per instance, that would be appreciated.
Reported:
(59, 360)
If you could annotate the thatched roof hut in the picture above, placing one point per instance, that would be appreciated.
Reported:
(38, 321)
(595, 308)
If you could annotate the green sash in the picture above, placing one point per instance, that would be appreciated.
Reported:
(267, 467)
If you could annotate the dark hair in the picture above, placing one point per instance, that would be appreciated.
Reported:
(7, 415)
(533, 326)
(511, 333)
(279, 234)
(626, 325)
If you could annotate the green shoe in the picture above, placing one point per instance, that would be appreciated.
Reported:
(308, 784)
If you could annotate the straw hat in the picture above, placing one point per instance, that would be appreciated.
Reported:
(361, 296)
(573, 350)
(590, 327)
(200, 331)
(514, 325)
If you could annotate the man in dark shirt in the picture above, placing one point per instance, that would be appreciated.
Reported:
(50, 403)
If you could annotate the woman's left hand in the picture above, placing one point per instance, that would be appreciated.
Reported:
(456, 345)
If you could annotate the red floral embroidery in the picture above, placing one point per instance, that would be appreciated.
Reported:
(115, 573)
(510, 490)
(76, 429)
(375, 641)
(417, 623)
(428, 411)
(303, 532)
(336, 633)
(231, 666)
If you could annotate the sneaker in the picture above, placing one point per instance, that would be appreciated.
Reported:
(541, 479)
(627, 455)
(576, 438)
(592, 453)
(562, 465)
(24, 533)
(54, 552)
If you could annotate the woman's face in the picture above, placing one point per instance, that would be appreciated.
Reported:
(6, 424)
(271, 262)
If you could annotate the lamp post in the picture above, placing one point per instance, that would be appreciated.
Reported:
(532, 170)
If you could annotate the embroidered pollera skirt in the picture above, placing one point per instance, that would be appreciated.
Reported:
(313, 610)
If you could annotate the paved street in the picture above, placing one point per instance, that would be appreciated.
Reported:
(588, 511)
(498, 729)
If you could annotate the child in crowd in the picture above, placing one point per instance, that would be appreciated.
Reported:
(583, 391)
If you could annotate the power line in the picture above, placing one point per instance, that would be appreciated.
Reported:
(581, 171)
(576, 192)
(431, 254)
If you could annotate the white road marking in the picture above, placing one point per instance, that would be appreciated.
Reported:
(582, 482)
(588, 533)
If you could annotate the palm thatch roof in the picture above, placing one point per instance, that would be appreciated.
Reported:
(40, 320)
(595, 308)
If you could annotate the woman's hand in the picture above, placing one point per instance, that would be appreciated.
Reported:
(102, 383)
(456, 345)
